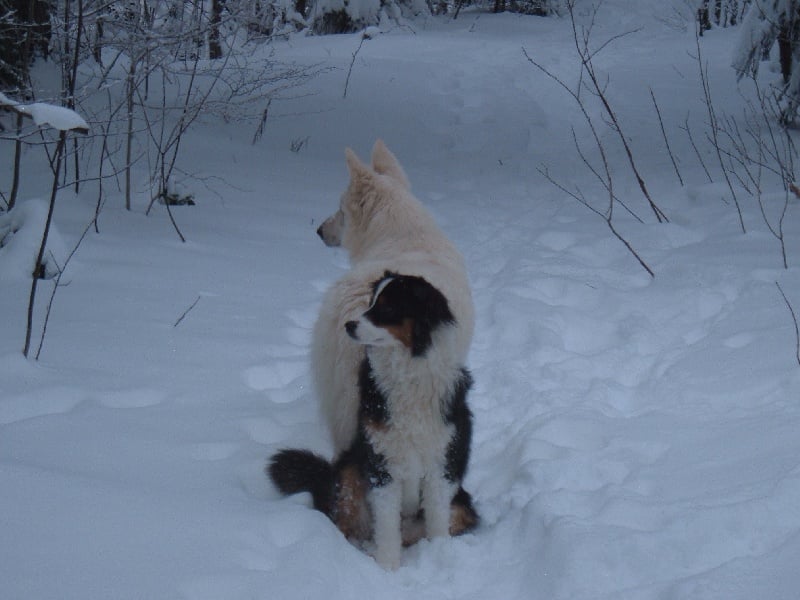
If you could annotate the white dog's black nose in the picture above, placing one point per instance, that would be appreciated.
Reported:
(350, 328)
(319, 232)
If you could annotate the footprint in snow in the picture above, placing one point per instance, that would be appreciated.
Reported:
(48, 402)
(265, 430)
(212, 451)
(556, 240)
(139, 398)
(740, 340)
(274, 376)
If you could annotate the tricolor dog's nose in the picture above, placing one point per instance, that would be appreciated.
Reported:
(350, 328)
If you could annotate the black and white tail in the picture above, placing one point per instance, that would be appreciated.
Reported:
(295, 471)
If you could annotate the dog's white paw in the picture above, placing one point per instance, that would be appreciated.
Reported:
(388, 558)
(440, 529)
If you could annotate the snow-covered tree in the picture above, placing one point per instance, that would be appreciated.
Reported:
(540, 8)
(768, 22)
(721, 13)
(24, 34)
(342, 16)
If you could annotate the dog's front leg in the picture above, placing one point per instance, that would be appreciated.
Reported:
(385, 502)
(436, 495)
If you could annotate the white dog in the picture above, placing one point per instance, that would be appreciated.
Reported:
(383, 227)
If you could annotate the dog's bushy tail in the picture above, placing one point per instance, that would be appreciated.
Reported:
(295, 471)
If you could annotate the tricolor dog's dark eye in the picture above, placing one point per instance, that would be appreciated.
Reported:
(384, 308)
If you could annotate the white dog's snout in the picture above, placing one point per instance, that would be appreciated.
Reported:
(331, 229)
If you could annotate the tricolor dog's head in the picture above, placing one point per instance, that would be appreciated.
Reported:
(364, 195)
(404, 312)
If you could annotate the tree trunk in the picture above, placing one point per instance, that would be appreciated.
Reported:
(129, 140)
(785, 50)
(97, 46)
(12, 200)
(704, 18)
(38, 267)
(214, 45)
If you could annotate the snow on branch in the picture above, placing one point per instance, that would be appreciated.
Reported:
(44, 115)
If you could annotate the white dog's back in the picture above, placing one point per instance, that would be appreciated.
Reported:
(384, 227)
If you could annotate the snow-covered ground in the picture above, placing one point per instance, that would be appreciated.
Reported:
(636, 438)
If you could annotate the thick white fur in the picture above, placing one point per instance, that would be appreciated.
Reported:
(383, 227)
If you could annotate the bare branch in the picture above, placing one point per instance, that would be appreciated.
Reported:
(57, 283)
(664, 134)
(364, 37)
(599, 89)
(186, 312)
(713, 124)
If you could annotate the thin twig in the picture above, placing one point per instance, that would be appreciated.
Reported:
(606, 180)
(712, 118)
(586, 56)
(263, 122)
(57, 282)
(353, 62)
(577, 195)
(600, 178)
(696, 150)
(794, 320)
(186, 312)
(664, 134)
(630, 248)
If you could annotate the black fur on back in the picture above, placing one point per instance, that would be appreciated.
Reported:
(295, 471)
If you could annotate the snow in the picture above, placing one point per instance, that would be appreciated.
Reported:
(635, 438)
(20, 238)
(57, 117)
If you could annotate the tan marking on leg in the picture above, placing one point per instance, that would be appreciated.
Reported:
(413, 529)
(351, 513)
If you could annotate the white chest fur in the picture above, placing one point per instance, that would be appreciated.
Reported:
(415, 439)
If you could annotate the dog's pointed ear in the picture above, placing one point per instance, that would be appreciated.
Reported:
(358, 170)
(385, 163)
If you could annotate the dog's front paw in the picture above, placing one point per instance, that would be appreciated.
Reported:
(388, 558)
(437, 522)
